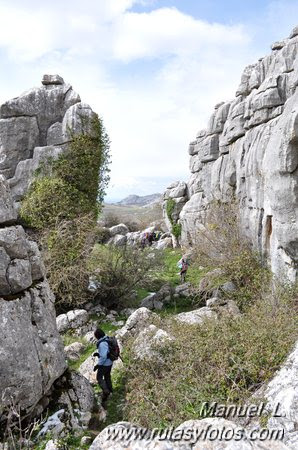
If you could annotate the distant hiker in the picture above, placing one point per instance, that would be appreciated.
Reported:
(106, 355)
(150, 238)
(143, 242)
(183, 266)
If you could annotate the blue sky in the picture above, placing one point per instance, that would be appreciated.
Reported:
(153, 69)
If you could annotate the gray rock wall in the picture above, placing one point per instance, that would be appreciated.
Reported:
(37, 126)
(31, 351)
(34, 127)
(250, 151)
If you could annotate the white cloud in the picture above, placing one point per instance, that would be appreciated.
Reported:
(167, 31)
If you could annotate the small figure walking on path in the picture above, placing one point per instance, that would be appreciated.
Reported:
(183, 266)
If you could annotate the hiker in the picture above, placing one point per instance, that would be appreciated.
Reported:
(104, 365)
(143, 242)
(183, 266)
(150, 238)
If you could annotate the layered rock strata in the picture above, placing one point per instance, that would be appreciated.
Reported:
(31, 351)
(36, 127)
(249, 152)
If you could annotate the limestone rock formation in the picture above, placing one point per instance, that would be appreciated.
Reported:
(31, 355)
(249, 152)
(282, 397)
(37, 126)
(177, 194)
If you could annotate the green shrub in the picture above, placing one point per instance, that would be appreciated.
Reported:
(170, 207)
(72, 185)
(84, 164)
(224, 361)
(220, 245)
(121, 270)
(50, 200)
(176, 227)
(176, 230)
(62, 204)
(67, 247)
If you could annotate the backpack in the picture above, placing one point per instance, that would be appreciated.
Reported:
(114, 350)
(184, 267)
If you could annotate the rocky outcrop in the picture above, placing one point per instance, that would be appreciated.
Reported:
(174, 199)
(137, 321)
(120, 236)
(282, 397)
(249, 152)
(36, 126)
(72, 320)
(150, 343)
(31, 355)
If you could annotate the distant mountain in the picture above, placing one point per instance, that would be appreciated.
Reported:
(140, 201)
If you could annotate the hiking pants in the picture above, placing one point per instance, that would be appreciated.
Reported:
(182, 276)
(104, 379)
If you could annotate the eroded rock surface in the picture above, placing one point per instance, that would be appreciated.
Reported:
(31, 351)
(249, 151)
(36, 127)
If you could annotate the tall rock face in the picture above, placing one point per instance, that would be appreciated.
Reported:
(249, 152)
(37, 126)
(31, 351)
(34, 127)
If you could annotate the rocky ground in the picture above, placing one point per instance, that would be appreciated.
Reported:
(144, 326)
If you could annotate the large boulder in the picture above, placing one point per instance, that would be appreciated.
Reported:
(31, 356)
(86, 369)
(78, 400)
(177, 194)
(8, 214)
(137, 321)
(118, 229)
(123, 435)
(118, 240)
(73, 351)
(197, 316)
(150, 343)
(72, 319)
(282, 397)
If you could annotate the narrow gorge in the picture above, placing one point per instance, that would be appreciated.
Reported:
(226, 334)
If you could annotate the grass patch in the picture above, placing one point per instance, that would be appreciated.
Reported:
(170, 271)
(181, 304)
(224, 361)
(141, 294)
(88, 350)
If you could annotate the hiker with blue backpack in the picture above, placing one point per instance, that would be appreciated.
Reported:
(107, 352)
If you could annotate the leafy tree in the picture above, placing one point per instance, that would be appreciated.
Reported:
(72, 185)
(62, 204)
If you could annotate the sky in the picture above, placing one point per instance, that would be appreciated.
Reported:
(152, 69)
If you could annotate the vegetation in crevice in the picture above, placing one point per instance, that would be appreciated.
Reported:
(72, 185)
(62, 204)
(176, 227)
